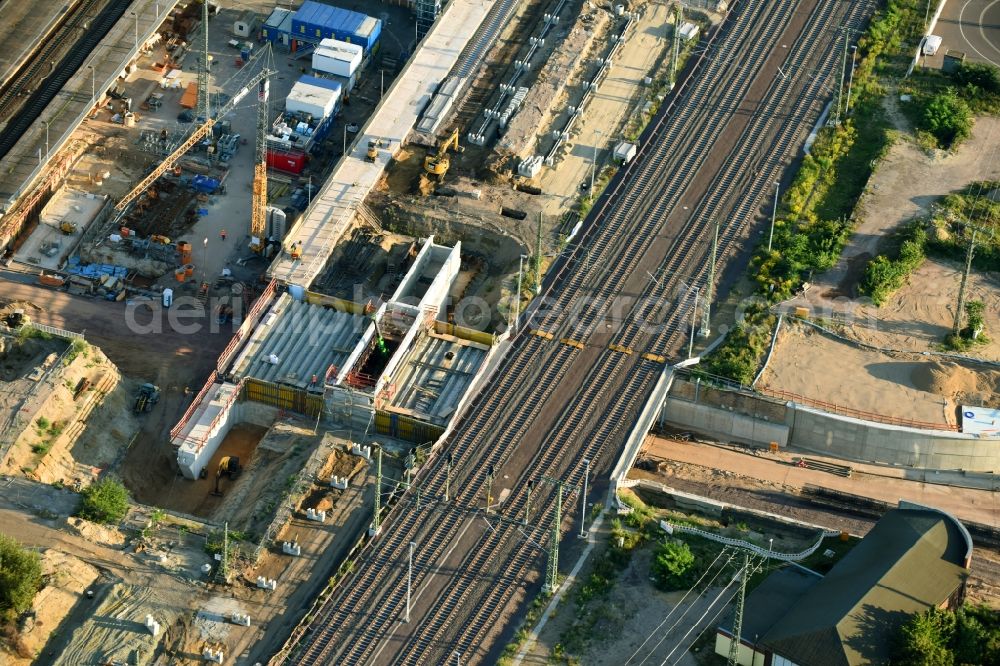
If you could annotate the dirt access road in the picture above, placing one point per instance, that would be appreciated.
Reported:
(178, 359)
(973, 504)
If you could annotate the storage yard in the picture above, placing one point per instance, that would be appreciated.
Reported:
(357, 298)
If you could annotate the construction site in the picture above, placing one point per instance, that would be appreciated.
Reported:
(301, 276)
(184, 189)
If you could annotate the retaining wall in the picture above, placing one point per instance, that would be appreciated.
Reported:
(757, 420)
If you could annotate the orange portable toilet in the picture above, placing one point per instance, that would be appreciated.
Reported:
(180, 274)
(188, 270)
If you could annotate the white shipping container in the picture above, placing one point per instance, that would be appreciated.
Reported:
(306, 98)
(336, 57)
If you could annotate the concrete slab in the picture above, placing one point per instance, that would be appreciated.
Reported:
(67, 205)
(332, 211)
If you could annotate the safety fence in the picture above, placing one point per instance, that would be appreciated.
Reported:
(249, 323)
(672, 528)
(855, 413)
(405, 427)
(463, 332)
(338, 304)
(252, 319)
(58, 332)
(286, 398)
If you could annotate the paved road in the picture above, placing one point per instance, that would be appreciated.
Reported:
(972, 27)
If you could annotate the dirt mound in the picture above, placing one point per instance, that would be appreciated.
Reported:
(96, 533)
(961, 384)
(339, 463)
(944, 378)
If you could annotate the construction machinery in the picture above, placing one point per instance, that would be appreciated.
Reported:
(149, 395)
(228, 466)
(197, 135)
(436, 165)
(258, 210)
(373, 146)
(68, 228)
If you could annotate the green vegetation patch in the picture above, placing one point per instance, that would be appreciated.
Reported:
(968, 635)
(105, 501)
(888, 272)
(20, 577)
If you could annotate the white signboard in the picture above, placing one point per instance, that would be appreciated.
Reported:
(981, 421)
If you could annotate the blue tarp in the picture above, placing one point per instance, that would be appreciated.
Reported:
(204, 184)
(73, 267)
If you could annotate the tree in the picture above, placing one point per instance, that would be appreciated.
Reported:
(104, 502)
(672, 563)
(924, 640)
(947, 118)
(980, 75)
(974, 318)
(20, 577)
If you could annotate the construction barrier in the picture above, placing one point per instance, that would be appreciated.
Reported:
(406, 427)
(338, 304)
(283, 397)
(249, 323)
(471, 334)
(58, 332)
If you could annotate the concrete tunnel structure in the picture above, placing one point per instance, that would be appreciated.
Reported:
(318, 356)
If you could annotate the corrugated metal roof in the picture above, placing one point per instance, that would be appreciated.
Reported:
(279, 18)
(430, 385)
(306, 339)
(367, 27)
(321, 83)
(334, 18)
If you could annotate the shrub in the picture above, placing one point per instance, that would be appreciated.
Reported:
(20, 577)
(739, 357)
(883, 275)
(104, 502)
(979, 76)
(947, 117)
(672, 565)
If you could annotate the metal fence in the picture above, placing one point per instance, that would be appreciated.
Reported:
(58, 332)
(671, 528)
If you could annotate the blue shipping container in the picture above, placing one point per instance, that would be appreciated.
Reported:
(315, 21)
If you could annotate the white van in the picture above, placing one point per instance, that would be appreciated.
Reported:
(931, 44)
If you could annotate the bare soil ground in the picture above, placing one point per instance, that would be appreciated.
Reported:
(910, 386)
(632, 613)
(75, 434)
(65, 579)
(903, 187)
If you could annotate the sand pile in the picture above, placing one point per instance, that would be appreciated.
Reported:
(957, 382)
(944, 378)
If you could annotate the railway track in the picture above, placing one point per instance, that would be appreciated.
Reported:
(86, 26)
(619, 415)
(359, 624)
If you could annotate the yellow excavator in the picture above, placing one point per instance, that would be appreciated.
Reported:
(228, 466)
(436, 165)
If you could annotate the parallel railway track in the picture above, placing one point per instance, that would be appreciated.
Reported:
(359, 625)
(85, 27)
